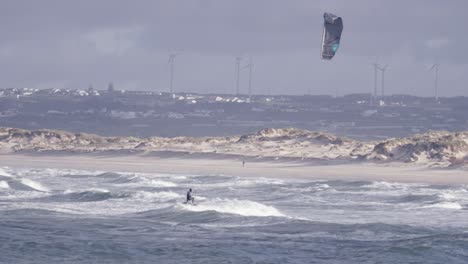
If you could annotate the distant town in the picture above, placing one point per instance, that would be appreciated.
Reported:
(113, 112)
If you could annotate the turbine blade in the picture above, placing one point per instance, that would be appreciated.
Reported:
(382, 68)
(171, 57)
(247, 66)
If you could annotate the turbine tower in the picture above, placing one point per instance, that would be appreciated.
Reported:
(171, 65)
(382, 69)
(238, 62)
(374, 96)
(435, 67)
(250, 66)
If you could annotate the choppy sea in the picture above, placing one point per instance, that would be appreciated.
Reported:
(72, 216)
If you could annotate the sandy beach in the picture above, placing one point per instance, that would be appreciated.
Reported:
(395, 172)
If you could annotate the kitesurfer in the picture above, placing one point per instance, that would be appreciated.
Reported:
(190, 197)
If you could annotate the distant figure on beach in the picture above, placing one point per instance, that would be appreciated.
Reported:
(243, 163)
(190, 197)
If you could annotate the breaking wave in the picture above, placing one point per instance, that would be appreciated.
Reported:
(92, 195)
(160, 183)
(4, 185)
(157, 196)
(445, 205)
(4, 173)
(34, 185)
(239, 207)
(24, 185)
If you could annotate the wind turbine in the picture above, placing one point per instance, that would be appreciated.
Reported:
(238, 62)
(382, 69)
(171, 65)
(435, 67)
(250, 66)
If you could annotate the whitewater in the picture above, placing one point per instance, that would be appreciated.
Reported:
(81, 216)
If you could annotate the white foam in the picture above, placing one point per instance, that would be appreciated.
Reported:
(239, 207)
(263, 180)
(4, 173)
(35, 185)
(159, 183)
(159, 196)
(50, 172)
(60, 172)
(227, 184)
(239, 182)
(4, 185)
(447, 196)
(323, 186)
(386, 185)
(95, 190)
(154, 175)
(446, 205)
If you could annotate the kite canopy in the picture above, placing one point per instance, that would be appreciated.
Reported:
(332, 28)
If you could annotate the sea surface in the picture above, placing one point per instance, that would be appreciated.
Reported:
(72, 216)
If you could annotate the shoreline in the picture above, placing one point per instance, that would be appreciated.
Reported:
(223, 166)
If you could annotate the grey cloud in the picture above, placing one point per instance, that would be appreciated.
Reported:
(77, 42)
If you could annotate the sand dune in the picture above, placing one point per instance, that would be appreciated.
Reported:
(432, 149)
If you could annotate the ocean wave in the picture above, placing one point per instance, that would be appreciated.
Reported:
(108, 175)
(239, 207)
(267, 181)
(159, 196)
(126, 179)
(383, 185)
(51, 172)
(26, 185)
(447, 196)
(160, 183)
(323, 186)
(121, 178)
(459, 194)
(4, 173)
(91, 195)
(135, 178)
(227, 182)
(414, 198)
(35, 185)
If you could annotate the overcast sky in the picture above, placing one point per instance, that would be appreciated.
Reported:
(72, 44)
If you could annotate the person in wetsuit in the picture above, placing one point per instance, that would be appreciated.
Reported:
(190, 197)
